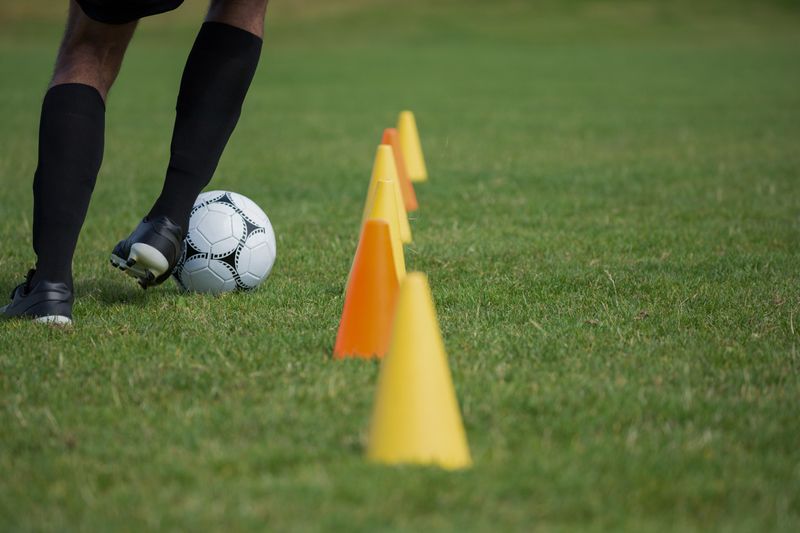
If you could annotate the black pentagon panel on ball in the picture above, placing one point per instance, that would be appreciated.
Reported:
(250, 227)
(226, 200)
(230, 259)
(190, 251)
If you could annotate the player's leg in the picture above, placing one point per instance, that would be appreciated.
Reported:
(71, 137)
(215, 80)
(70, 152)
(91, 52)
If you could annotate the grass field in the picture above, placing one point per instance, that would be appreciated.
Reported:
(611, 231)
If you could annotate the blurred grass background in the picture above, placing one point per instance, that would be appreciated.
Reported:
(611, 232)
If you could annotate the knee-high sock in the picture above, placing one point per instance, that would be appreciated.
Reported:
(215, 81)
(71, 132)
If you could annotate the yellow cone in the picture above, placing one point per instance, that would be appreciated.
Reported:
(416, 417)
(411, 147)
(384, 168)
(383, 207)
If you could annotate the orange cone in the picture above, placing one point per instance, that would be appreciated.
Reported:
(369, 301)
(409, 196)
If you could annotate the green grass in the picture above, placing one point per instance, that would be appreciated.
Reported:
(611, 231)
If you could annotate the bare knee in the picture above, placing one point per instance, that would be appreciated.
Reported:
(245, 14)
(91, 52)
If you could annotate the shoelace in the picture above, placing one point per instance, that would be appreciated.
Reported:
(25, 284)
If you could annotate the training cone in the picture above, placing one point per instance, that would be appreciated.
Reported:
(385, 169)
(406, 187)
(416, 417)
(411, 147)
(383, 206)
(369, 300)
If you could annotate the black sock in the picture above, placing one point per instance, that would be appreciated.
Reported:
(71, 131)
(215, 80)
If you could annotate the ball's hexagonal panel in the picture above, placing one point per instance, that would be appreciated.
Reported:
(195, 238)
(196, 276)
(254, 259)
(198, 212)
(215, 224)
(225, 273)
(201, 274)
(222, 227)
(253, 213)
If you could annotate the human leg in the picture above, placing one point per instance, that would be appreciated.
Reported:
(215, 82)
(71, 137)
(70, 152)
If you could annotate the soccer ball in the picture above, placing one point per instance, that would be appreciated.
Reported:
(230, 245)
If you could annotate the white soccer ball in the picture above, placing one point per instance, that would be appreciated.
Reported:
(230, 245)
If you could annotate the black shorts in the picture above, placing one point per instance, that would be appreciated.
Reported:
(123, 11)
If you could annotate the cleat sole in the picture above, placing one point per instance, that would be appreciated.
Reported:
(54, 320)
(51, 320)
(145, 263)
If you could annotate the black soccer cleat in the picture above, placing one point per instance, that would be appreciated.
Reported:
(151, 251)
(44, 301)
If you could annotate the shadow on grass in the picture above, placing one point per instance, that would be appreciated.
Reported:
(111, 291)
(100, 289)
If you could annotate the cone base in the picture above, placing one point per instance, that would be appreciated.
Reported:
(431, 462)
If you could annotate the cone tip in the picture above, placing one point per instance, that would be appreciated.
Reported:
(389, 136)
(385, 156)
